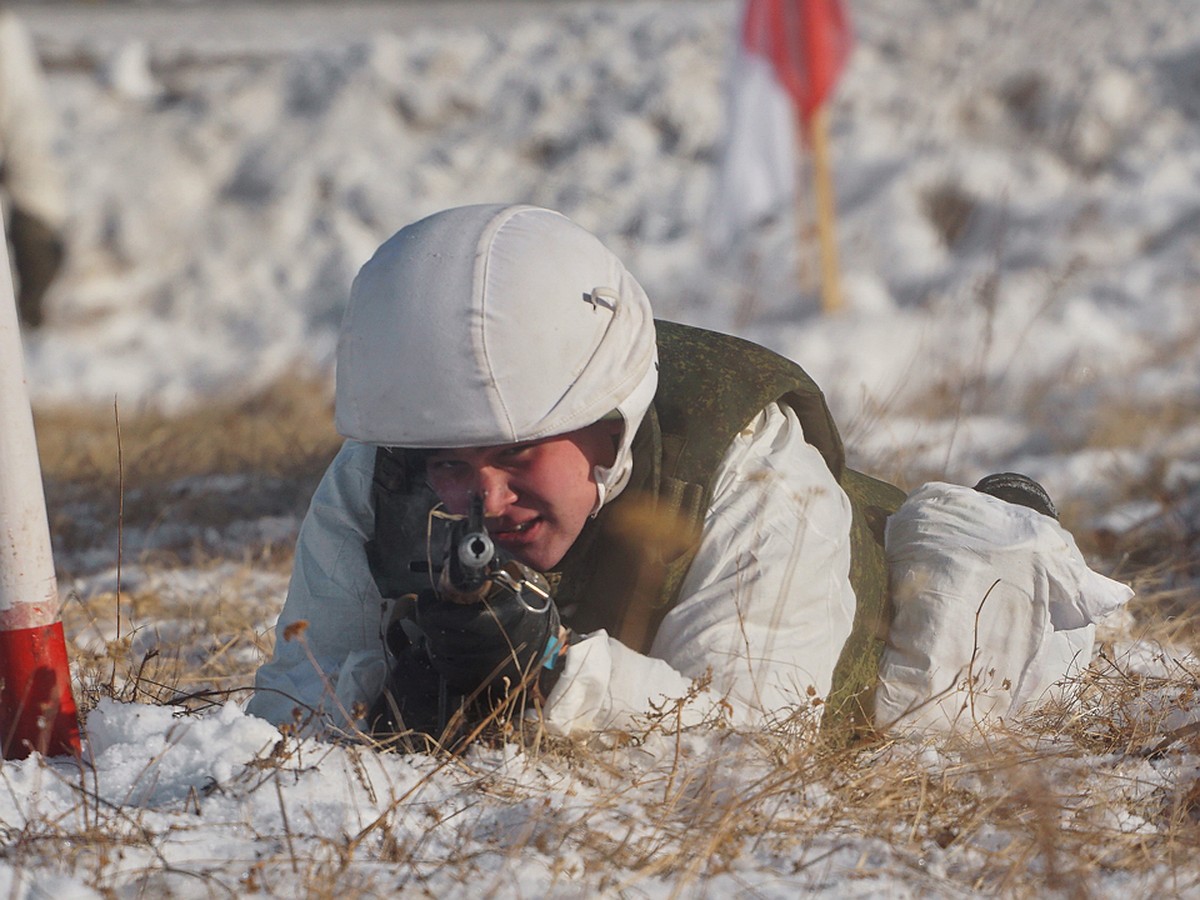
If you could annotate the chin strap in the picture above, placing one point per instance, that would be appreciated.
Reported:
(601, 492)
(606, 492)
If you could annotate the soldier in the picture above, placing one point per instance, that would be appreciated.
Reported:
(670, 507)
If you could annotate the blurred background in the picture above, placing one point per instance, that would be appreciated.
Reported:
(1018, 190)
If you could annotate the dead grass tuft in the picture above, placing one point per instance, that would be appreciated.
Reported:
(285, 430)
(213, 466)
(219, 490)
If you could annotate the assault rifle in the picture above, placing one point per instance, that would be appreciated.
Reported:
(444, 653)
(474, 566)
(471, 556)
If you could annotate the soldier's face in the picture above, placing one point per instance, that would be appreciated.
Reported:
(537, 496)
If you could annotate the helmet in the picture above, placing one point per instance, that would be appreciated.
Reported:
(493, 324)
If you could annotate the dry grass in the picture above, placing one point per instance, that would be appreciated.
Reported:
(202, 646)
(285, 430)
(110, 470)
(1031, 813)
(1066, 803)
(155, 493)
(104, 469)
(1054, 806)
(1058, 805)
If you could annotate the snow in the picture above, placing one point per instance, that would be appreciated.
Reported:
(1075, 172)
(1018, 200)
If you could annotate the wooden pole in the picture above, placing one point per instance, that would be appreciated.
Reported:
(807, 274)
(37, 708)
(831, 288)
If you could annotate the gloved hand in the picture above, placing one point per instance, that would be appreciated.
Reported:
(412, 699)
(504, 635)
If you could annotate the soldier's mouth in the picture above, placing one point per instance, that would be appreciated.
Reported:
(515, 530)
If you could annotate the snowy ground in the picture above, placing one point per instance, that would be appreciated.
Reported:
(1018, 198)
(1019, 192)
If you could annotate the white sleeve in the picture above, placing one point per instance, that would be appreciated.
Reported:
(337, 660)
(32, 177)
(992, 605)
(766, 605)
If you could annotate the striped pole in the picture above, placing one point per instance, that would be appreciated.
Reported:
(37, 708)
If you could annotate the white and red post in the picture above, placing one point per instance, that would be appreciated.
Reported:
(37, 708)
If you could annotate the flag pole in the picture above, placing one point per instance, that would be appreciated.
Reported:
(37, 708)
(807, 273)
(818, 134)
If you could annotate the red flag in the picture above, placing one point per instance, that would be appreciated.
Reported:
(785, 65)
(806, 41)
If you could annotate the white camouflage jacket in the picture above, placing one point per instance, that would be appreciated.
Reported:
(994, 604)
(765, 606)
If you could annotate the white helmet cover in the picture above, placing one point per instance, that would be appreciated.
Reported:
(488, 325)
